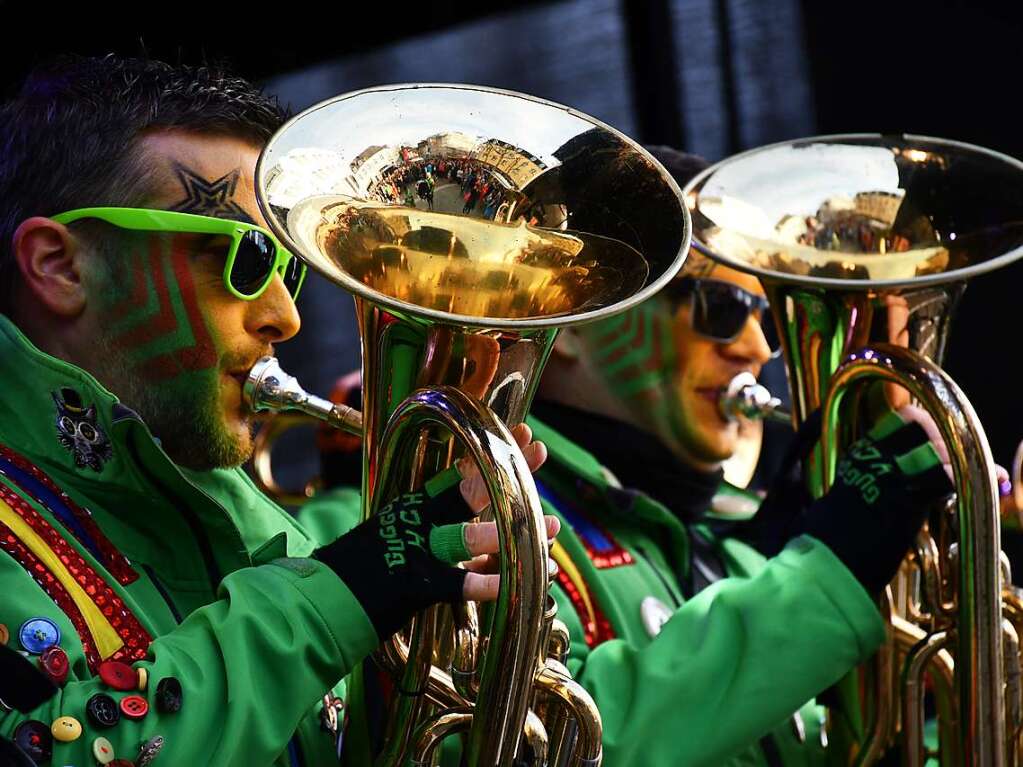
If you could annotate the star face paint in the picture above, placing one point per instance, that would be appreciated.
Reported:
(209, 198)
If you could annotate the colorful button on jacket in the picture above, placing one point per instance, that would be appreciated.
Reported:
(36, 634)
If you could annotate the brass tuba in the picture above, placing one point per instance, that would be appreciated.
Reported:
(470, 224)
(864, 245)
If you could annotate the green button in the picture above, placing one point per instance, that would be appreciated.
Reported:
(103, 750)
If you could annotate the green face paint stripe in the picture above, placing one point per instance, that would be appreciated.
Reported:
(646, 382)
(151, 327)
(636, 354)
(183, 333)
(123, 308)
(199, 352)
(126, 308)
(176, 340)
(626, 331)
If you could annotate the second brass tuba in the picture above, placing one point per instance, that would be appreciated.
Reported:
(470, 224)
(864, 245)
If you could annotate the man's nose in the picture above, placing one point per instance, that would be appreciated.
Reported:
(273, 316)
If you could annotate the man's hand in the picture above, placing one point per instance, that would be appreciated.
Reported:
(472, 486)
(401, 560)
(885, 485)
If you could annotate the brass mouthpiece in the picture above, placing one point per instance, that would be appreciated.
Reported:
(746, 398)
(269, 388)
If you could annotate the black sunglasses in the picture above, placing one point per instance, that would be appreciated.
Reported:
(720, 309)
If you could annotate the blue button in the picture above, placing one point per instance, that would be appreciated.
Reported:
(36, 634)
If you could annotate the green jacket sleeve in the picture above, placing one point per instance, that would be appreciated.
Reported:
(730, 664)
(251, 665)
(330, 514)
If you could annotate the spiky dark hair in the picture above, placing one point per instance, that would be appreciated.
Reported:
(69, 138)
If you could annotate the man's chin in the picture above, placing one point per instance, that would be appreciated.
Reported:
(226, 447)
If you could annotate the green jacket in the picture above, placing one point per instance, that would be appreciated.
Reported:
(190, 575)
(730, 665)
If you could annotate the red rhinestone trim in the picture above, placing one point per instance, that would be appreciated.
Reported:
(113, 560)
(596, 627)
(604, 560)
(135, 637)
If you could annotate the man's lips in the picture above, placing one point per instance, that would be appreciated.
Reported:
(712, 395)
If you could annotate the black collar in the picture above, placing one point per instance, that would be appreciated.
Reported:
(638, 459)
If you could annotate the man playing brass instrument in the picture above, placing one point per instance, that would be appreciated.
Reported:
(184, 615)
(697, 649)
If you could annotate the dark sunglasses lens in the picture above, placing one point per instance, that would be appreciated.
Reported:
(293, 275)
(719, 312)
(253, 262)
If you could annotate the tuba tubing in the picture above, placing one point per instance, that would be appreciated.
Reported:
(979, 672)
(509, 667)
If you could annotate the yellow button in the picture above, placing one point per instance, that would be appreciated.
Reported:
(102, 751)
(143, 677)
(66, 728)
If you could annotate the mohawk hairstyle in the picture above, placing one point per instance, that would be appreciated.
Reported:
(69, 138)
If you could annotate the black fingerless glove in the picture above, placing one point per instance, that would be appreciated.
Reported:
(399, 561)
(885, 486)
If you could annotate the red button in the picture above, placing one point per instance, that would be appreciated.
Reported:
(118, 675)
(54, 662)
(134, 706)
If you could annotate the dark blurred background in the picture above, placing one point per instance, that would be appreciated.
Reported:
(709, 76)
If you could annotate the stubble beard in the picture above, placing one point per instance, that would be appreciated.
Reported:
(186, 415)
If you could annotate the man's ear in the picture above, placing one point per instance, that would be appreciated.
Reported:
(49, 259)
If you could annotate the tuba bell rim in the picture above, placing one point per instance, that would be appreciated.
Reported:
(419, 313)
(956, 275)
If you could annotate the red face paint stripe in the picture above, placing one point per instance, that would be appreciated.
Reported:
(201, 354)
(113, 560)
(164, 322)
(134, 636)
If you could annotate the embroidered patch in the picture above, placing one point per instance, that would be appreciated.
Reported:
(79, 432)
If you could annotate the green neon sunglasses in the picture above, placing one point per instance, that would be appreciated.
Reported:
(254, 256)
